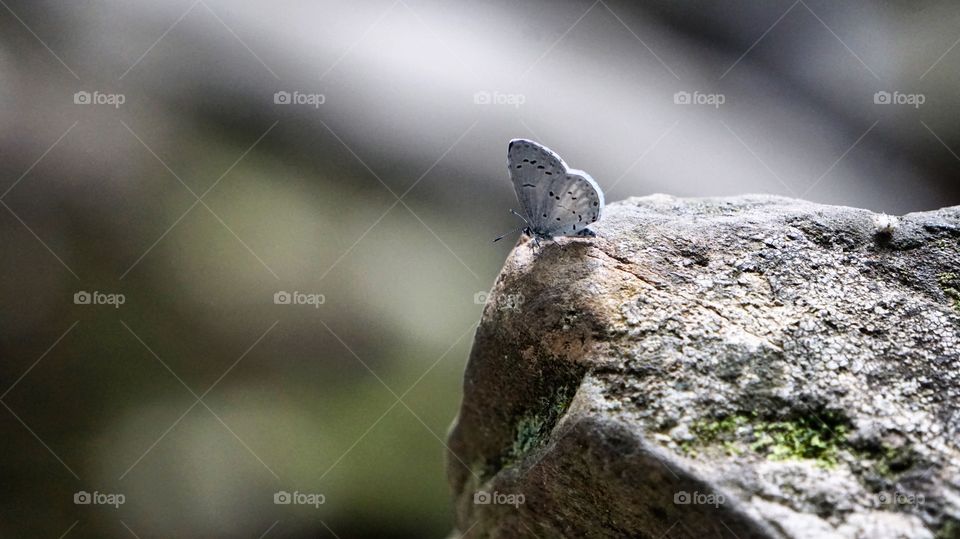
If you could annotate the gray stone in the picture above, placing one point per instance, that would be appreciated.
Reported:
(751, 366)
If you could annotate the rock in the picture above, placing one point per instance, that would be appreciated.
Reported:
(751, 366)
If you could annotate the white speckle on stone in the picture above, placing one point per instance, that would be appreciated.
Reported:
(885, 224)
(739, 338)
(681, 433)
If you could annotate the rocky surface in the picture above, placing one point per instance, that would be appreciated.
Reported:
(732, 367)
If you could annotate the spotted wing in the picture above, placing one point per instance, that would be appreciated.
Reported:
(556, 200)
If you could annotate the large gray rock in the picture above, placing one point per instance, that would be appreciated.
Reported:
(732, 367)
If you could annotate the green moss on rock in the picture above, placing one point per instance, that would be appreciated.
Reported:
(806, 437)
(529, 431)
(535, 426)
(815, 437)
(895, 460)
(950, 284)
(950, 530)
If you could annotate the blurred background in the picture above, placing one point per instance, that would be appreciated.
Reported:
(294, 202)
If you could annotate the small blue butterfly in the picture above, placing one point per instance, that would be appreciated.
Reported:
(556, 200)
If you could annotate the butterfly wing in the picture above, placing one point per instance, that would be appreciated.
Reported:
(533, 169)
(580, 203)
(555, 199)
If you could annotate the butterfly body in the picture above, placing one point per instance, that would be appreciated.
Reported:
(555, 200)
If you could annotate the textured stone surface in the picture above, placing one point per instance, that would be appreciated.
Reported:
(794, 367)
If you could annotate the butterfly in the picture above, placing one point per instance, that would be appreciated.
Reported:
(555, 200)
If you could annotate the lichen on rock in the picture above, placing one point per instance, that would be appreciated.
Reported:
(751, 366)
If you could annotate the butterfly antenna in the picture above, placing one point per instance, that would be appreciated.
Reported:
(527, 223)
(520, 216)
(507, 234)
